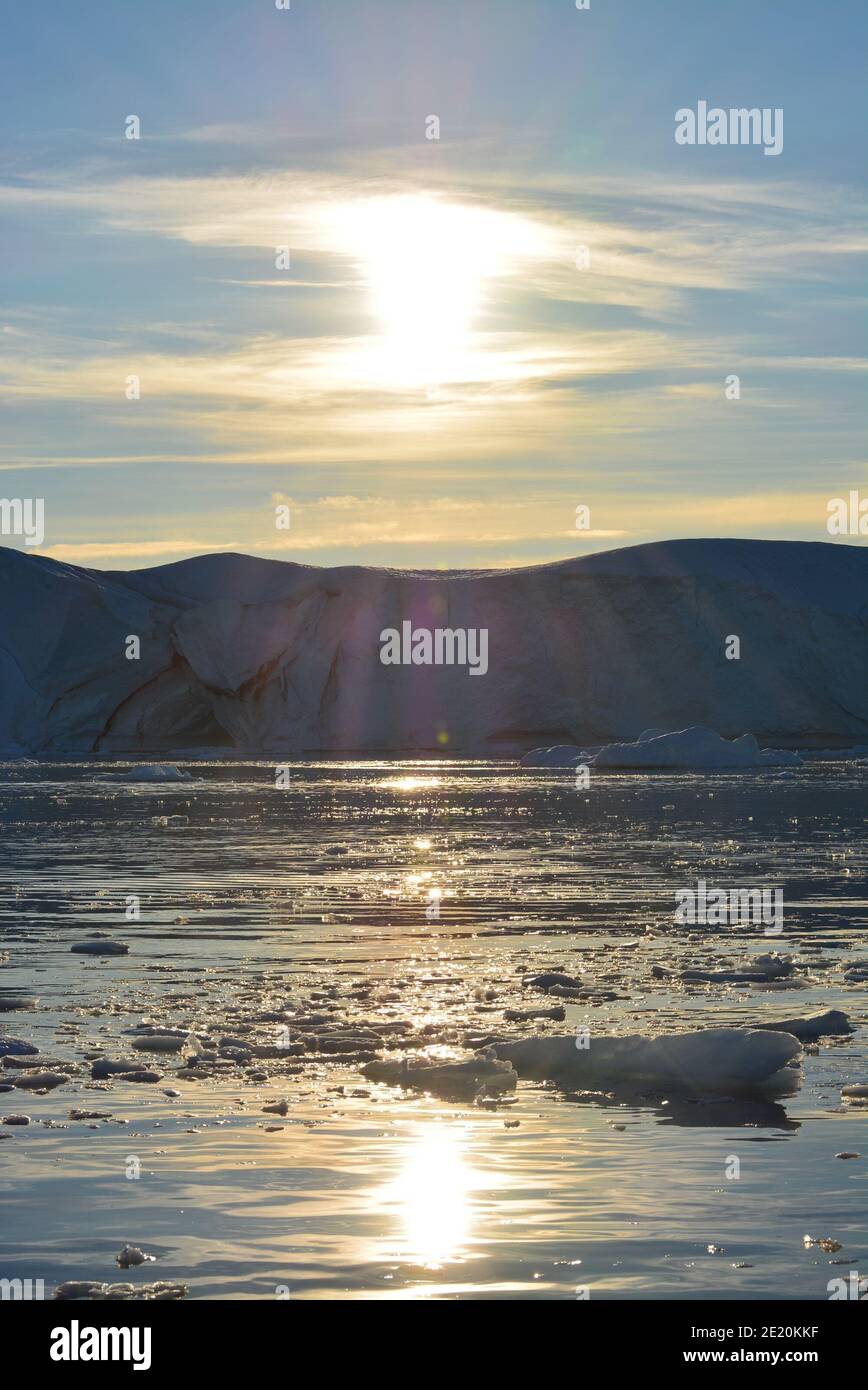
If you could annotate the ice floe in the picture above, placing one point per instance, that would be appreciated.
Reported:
(696, 747)
(94, 1291)
(713, 1059)
(832, 1023)
(478, 1076)
(561, 755)
(151, 772)
(762, 969)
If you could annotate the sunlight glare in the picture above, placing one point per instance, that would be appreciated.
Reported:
(425, 262)
(411, 784)
(433, 1194)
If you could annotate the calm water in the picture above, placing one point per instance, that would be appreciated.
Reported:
(255, 899)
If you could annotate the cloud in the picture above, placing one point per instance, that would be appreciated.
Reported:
(80, 552)
(605, 381)
(332, 398)
(649, 238)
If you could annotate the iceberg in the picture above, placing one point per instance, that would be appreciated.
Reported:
(243, 655)
(713, 1059)
(696, 747)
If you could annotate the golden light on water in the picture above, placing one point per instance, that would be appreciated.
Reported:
(412, 784)
(432, 1196)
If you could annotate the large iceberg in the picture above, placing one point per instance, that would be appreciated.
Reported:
(252, 655)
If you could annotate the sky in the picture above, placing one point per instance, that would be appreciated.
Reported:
(408, 282)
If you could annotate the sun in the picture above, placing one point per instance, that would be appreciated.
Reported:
(425, 263)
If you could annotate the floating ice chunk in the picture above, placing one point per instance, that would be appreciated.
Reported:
(16, 1047)
(131, 1255)
(856, 1093)
(90, 1289)
(764, 968)
(11, 1002)
(714, 1059)
(832, 1023)
(479, 1076)
(159, 1042)
(548, 978)
(561, 755)
(40, 1080)
(558, 1014)
(693, 747)
(105, 1066)
(152, 772)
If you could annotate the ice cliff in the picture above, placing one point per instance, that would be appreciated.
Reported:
(262, 655)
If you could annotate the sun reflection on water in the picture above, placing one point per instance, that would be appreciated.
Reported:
(432, 1196)
(412, 784)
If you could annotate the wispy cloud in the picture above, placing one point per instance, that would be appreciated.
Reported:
(645, 234)
(469, 336)
(572, 365)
